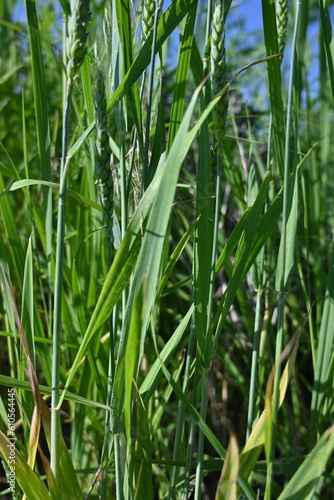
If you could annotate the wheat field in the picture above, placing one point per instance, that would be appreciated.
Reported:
(166, 256)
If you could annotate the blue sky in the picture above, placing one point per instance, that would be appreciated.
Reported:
(251, 10)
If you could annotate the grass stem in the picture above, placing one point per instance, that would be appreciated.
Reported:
(58, 289)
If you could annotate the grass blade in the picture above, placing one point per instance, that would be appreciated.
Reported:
(304, 482)
(227, 486)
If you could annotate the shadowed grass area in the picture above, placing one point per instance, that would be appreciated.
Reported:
(166, 310)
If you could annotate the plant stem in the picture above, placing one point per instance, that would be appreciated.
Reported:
(149, 101)
(57, 320)
(283, 276)
(255, 357)
(179, 431)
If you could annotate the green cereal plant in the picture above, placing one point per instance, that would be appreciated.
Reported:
(218, 74)
(76, 49)
(207, 229)
(161, 338)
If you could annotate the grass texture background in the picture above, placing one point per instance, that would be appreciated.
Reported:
(167, 266)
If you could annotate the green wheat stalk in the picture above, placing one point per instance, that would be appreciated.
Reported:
(218, 82)
(218, 75)
(76, 50)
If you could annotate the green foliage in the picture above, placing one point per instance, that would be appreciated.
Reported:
(177, 306)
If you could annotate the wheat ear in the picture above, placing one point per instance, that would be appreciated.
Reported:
(281, 22)
(103, 153)
(218, 74)
(148, 14)
(76, 43)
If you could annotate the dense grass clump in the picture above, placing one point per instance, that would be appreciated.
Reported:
(166, 259)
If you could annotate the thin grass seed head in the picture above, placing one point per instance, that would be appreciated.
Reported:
(218, 74)
(77, 34)
(148, 14)
(103, 153)
(281, 22)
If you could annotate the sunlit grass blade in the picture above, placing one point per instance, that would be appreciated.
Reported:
(32, 182)
(7, 381)
(227, 486)
(27, 315)
(116, 280)
(28, 480)
(87, 89)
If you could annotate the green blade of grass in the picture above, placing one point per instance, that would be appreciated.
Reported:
(175, 257)
(11, 231)
(27, 314)
(328, 41)
(87, 89)
(154, 375)
(304, 481)
(143, 461)
(78, 301)
(126, 41)
(325, 341)
(274, 79)
(185, 51)
(227, 486)
(42, 121)
(203, 248)
(116, 280)
(131, 358)
(32, 182)
(28, 480)
(286, 255)
(7, 381)
(256, 230)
